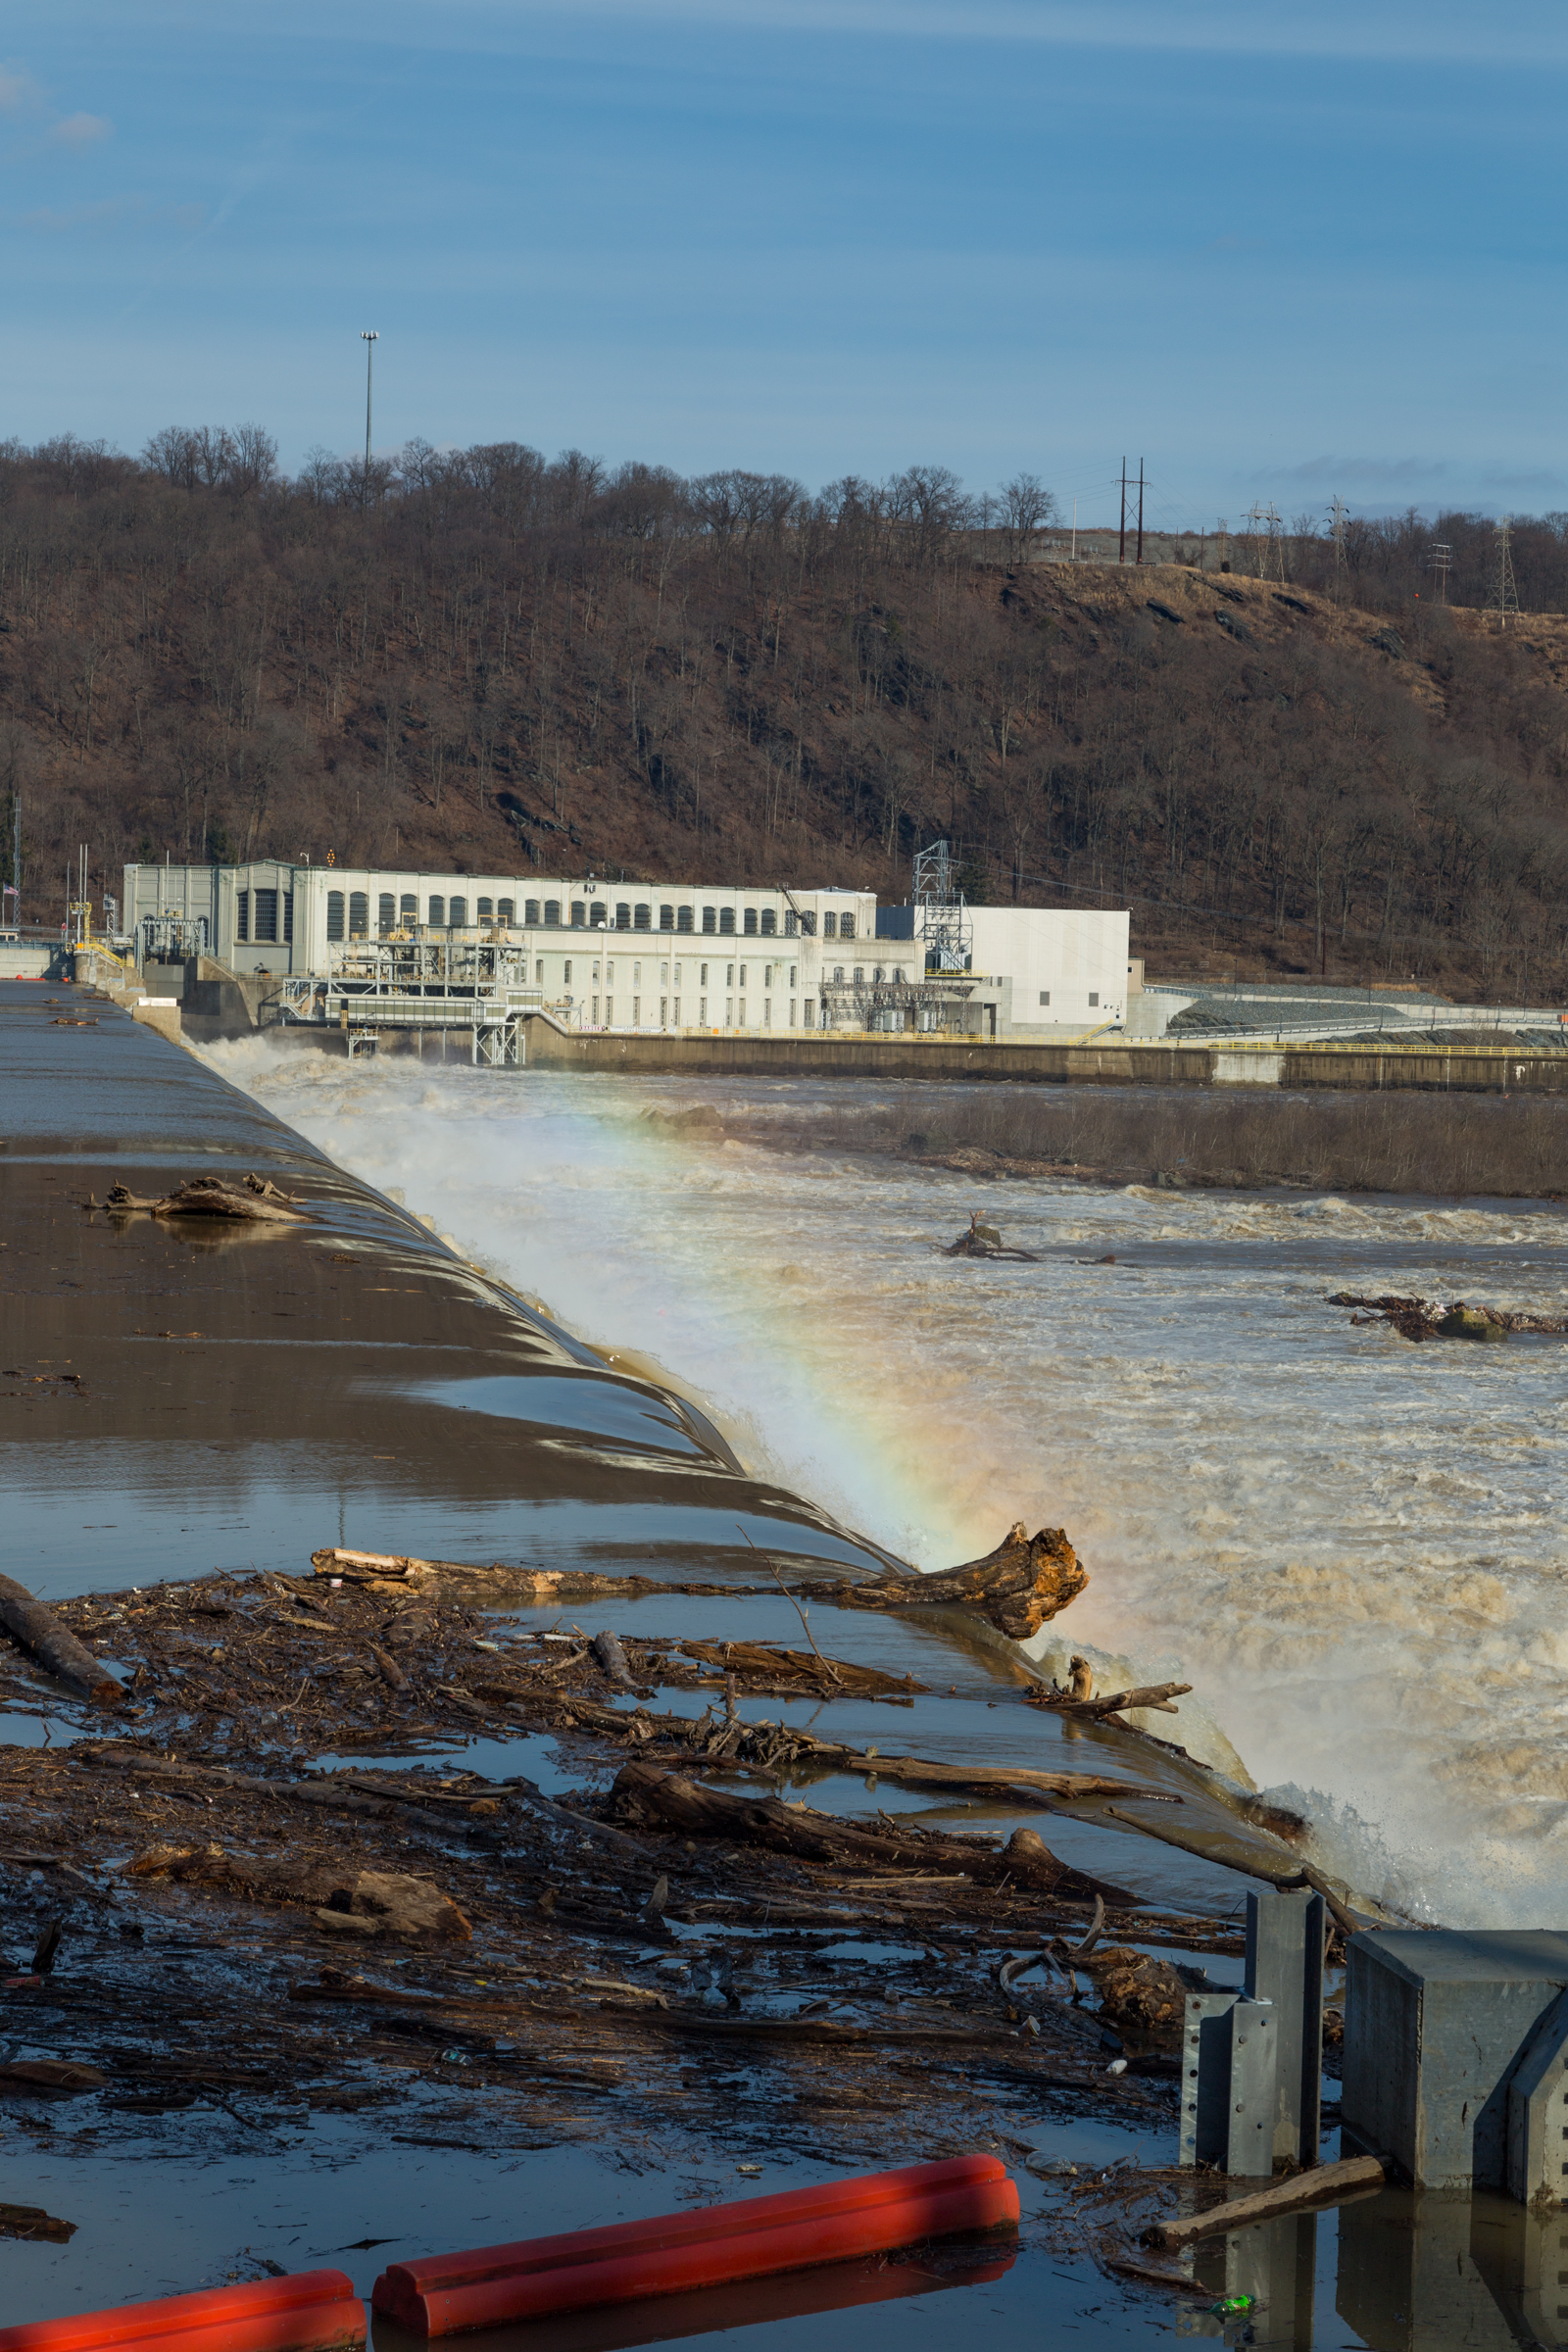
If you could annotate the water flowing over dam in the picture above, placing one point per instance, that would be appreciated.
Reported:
(1350, 1545)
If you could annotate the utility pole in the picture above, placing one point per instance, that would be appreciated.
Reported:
(1505, 592)
(1439, 562)
(1121, 553)
(1140, 554)
(369, 338)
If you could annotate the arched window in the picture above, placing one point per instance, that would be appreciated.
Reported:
(599, 914)
(667, 919)
(486, 911)
(579, 913)
(750, 922)
(769, 923)
(437, 913)
(623, 916)
(683, 919)
(645, 916)
(727, 919)
(334, 914)
(830, 926)
(791, 923)
(845, 926)
(708, 918)
(808, 924)
(409, 907)
(359, 912)
(456, 913)
(838, 972)
(530, 913)
(506, 912)
(551, 912)
(386, 911)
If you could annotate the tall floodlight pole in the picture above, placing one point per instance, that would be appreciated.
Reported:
(368, 337)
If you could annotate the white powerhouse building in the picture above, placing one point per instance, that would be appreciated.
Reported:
(653, 956)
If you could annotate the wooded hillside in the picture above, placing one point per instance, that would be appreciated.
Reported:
(479, 660)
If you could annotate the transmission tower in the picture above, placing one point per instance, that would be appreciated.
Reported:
(1338, 516)
(1505, 592)
(1439, 562)
(943, 917)
(1268, 542)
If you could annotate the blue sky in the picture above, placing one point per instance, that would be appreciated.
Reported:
(1278, 252)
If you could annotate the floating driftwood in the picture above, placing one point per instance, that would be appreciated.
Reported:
(1431, 1319)
(40, 1631)
(684, 1808)
(1016, 1588)
(1322, 2184)
(1152, 1697)
(257, 1201)
(984, 1241)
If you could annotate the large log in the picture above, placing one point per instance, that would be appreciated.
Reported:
(1016, 1588)
(1321, 2185)
(40, 1631)
(684, 1808)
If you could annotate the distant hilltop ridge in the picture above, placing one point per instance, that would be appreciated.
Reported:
(491, 664)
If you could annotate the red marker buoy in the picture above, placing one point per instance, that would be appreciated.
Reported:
(833, 2222)
(313, 2311)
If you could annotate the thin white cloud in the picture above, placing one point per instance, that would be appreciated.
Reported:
(82, 130)
(17, 90)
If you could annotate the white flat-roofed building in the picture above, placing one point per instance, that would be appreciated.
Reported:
(1036, 974)
(606, 954)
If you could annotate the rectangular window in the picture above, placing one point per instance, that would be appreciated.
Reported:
(677, 975)
(845, 926)
(742, 975)
(664, 1013)
(730, 1013)
(568, 971)
(807, 1013)
(1045, 996)
(579, 914)
(702, 1012)
(768, 1012)
(792, 1012)
(742, 1012)
(636, 1012)
(791, 923)
(830, 926)
(595, 1016)
(288, 914)
(437, 914)
(610, 974)
(610, 1010)
(1094, 996)
(793, 969)
(242, 914)
(539, 973)
(677, 1013)
(266, 912)
(334, 914)
(664, 975)
(703, 977)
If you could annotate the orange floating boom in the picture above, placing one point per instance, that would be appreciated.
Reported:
(833, 2222)
(313, 2311)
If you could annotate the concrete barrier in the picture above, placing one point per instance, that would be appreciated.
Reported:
(831, 1053)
